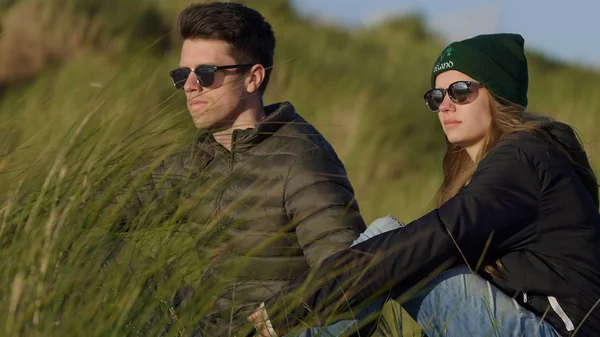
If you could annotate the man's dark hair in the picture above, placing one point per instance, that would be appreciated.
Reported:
(250, 36)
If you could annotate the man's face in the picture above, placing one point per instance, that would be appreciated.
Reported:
(217, 105)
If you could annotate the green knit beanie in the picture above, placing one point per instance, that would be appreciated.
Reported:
(496, 60)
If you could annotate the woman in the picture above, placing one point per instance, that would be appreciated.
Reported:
(518, 198)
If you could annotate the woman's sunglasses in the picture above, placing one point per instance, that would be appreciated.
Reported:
(205, 74)
(461, 92)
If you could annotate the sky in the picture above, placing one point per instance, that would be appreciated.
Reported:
(565, 30)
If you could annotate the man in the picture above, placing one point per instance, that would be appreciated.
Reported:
(272, 186)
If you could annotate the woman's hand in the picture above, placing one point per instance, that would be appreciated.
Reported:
(262, 324)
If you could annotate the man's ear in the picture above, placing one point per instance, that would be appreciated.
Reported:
(255, 78)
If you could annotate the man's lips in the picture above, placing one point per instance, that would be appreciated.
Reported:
(196, 103)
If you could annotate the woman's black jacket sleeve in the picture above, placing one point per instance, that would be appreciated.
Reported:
(485, 217)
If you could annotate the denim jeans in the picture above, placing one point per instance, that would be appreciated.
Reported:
(456, 303)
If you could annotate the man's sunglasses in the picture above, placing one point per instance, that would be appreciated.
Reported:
(461, 92)
(205, 74)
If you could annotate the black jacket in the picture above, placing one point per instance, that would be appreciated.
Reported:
(538, 213)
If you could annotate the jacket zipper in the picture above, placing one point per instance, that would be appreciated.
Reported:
(230, 159)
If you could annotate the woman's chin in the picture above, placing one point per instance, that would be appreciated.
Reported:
(454, 140)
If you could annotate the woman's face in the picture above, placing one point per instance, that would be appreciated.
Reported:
(465, 124)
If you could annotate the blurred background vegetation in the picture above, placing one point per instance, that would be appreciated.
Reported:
(85, 96)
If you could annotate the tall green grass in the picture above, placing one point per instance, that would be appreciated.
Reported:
(97, 121)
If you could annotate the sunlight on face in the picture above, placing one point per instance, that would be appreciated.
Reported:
(467, 124)
(217, 105)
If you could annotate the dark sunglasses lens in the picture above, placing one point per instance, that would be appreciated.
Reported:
(206, 77)
(434, 98)
(180, 76)
(459, 91)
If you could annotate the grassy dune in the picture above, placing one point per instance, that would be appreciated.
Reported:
(86, 100)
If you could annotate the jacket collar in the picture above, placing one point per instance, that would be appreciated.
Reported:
(277, 115)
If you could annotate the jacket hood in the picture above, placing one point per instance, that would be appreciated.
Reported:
(565, 136)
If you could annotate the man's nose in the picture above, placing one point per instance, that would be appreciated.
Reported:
(191, 83)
